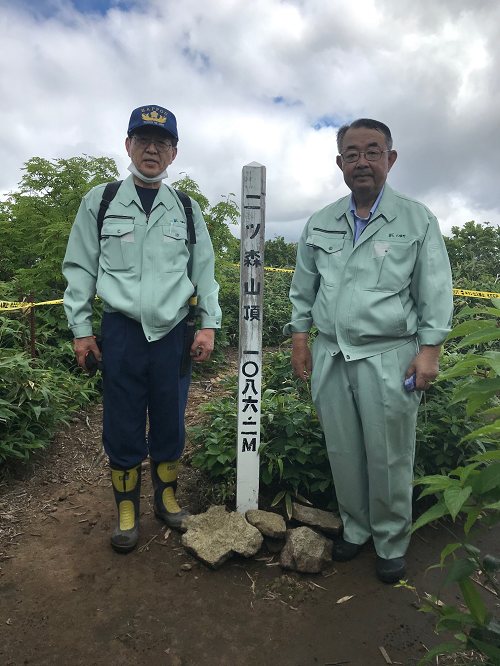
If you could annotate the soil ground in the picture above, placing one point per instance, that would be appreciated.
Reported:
(66, 599)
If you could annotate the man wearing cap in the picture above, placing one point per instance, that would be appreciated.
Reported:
(143, 267)
(373, 276)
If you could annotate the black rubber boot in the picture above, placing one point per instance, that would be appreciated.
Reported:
(164, 477)
(391, 571)
(343, 551)
(127, 490)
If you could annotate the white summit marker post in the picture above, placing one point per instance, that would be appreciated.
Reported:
(253, 205)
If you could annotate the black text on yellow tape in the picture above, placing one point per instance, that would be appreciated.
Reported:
(11, 305)
(475, 294)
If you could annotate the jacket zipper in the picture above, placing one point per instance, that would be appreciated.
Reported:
(152, 209)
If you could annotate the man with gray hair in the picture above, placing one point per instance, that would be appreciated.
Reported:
(373, 276)
(144, 249)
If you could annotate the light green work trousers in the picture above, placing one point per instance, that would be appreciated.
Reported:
(369, 420)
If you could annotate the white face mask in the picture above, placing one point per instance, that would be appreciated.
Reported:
(146, 179)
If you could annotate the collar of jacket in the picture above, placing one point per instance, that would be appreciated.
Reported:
(386, 206)
(128, 194)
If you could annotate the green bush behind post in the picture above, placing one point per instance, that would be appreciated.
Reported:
(293, 456)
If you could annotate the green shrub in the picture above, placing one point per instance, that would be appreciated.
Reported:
(473, 490)
(34, 402)
(441, 427)
(293, 454)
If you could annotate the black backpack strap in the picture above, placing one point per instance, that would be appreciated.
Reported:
(188, 208)
(107, 197)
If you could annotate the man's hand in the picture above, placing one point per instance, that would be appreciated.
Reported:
(301, 356)
(82, 346)
(426, 366)
(204, 341)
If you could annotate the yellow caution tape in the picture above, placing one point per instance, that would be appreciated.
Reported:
(475, 294)
(13, 305)
(283, 270)
(7, 305)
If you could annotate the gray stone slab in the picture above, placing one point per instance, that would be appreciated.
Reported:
(306, 550)
(324, 520)
(268, 523)
(214, 536)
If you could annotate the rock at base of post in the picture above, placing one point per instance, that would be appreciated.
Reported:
(324, 520)
(306, 550)
(269, 524)
(214, 536)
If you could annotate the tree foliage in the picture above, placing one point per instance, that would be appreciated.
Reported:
(474, 252)
(279, 254)
(217, 217)
(35, 221)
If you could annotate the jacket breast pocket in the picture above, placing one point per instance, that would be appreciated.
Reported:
(393, 264)
(117, 245)
(174, 250)
(327, 248)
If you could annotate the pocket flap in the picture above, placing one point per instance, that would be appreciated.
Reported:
(326, 243)
(174, 232)
(114, 229)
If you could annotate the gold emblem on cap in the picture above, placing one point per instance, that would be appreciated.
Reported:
(153, 117)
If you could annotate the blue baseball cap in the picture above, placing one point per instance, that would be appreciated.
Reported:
(152, 115)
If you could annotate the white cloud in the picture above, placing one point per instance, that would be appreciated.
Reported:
(250, 80)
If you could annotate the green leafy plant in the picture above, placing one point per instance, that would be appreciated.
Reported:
(287, 496)
(472, 490)
(34, 403)
(441, 427)
(293, 455)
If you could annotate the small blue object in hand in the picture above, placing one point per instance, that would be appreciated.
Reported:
(411, 382)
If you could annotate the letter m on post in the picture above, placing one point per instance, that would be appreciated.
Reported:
(249, 446)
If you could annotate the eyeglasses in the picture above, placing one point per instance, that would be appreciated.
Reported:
(145, 141)
(371, 155)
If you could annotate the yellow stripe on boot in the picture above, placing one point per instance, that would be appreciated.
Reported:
(126, 513)
(165, 505)
(168, 472)
(127, 491)
(169, 501)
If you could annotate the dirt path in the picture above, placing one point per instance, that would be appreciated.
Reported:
(66, 599)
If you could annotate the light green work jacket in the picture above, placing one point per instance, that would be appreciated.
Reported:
(392, 286)
(140, 267)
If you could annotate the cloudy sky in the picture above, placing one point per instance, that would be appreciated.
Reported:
(267, 81)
